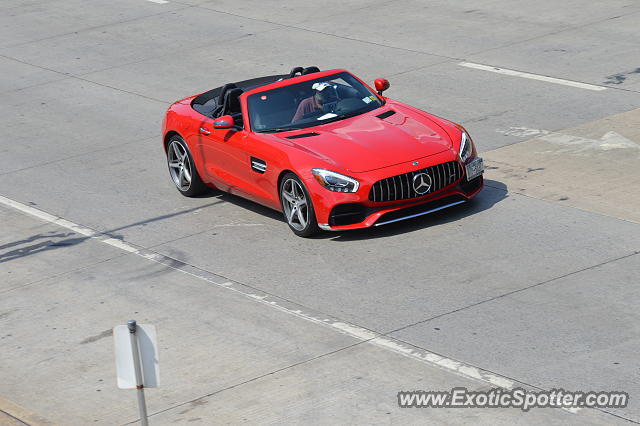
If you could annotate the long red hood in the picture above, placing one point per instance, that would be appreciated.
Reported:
(366, 142)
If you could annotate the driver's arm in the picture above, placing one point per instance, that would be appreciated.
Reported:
(305, 106)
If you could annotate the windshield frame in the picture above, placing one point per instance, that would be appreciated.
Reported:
(326, 75)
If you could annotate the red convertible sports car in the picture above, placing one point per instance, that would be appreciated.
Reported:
(323, 148)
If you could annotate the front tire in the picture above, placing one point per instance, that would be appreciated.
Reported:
(297, 206)
(182, 168)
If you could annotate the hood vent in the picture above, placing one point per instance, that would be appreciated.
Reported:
(386, 114)
(303, 135)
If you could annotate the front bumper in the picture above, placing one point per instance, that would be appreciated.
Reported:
(343, 211)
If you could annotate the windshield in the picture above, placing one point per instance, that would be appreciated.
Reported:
(310, 103)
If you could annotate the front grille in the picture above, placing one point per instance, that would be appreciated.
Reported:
(400, 187)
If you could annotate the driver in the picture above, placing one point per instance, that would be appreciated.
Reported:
(324, 93)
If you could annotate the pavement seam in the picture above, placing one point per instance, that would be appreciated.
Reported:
(14, 417)
(177, 51)
(330, 353)
(162, 101)
(272, 301)
(448, 58)
(83, 76)
(77, 77)
(603, 410)
(282, 25)
(46, 163)
(204, 231)
(555, 202)
(358, 343)
(42, 83)
(364, 335)
(253, 379)
(61, 274)
(33, 3)
(96, 27)
(293, 26)
(509, 293)
(570, 28)
(21, 414)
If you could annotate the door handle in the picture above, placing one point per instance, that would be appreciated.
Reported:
(205, 131)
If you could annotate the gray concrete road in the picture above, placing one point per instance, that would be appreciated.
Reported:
(533, 284)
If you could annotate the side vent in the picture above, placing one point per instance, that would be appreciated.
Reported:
(303, 135)
(258, 165)
(386, 114)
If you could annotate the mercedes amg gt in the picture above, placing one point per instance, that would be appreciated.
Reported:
(323, 148)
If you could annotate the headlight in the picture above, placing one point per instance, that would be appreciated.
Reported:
(466, 146)
(335, 181)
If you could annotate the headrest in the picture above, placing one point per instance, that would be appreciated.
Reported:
(232, 101)
(223, 91)
(295, 71)
(310, 70)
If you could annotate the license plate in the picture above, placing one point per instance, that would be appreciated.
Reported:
(474, 168)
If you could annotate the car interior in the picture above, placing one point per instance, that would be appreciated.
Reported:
(225, 100)
(279, 108)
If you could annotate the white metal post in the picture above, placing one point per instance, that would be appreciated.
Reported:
(131, 324)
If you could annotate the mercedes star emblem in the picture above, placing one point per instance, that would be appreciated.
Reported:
(421, 183)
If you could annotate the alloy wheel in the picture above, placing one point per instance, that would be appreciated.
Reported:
(179, 165)
(294, 202)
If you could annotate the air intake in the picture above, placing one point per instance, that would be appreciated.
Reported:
(386, 114)
(303, 135)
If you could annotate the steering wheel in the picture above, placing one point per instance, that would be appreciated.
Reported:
(313, 114)
(329, 107)
(347, 105)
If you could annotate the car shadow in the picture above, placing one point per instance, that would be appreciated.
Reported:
(51, 241)
(243, 203)
(40, 242)
(493, 193)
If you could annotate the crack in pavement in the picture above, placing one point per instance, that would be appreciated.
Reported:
(448, 58)
(77, 77)
(364, 335)
(550, 201)
(96, 27)
(46, 163)
(509, 293)
(253, 379)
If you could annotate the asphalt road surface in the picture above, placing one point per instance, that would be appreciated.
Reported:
(534, 284)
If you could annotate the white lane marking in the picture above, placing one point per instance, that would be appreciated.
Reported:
(87, 232)
(523, 132)
(158, 1)
(349, 329)
(532, 76)
(575, 144)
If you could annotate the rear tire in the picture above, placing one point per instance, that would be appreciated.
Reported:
(182, 169)
(297, 206)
